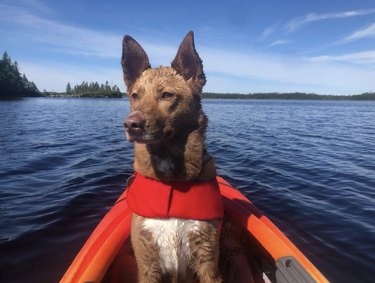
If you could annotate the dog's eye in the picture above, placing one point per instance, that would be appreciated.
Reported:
(166, 95)
(134, 95)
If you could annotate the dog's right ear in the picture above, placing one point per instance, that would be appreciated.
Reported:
(134, 60)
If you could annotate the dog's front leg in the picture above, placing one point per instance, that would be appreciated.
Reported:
(146, 253)
(204, 245)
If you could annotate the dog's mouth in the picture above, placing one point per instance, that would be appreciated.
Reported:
(146, 137)
(143, 138)
(140, 135)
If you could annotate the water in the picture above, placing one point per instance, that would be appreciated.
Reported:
(308, 165)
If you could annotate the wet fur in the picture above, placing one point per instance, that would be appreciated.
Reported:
(170, 147)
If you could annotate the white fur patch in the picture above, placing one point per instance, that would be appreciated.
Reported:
(171, 235)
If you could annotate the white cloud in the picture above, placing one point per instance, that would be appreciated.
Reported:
(297, 23)
(364, 57)
(368, 32)
(59, 36)
(326, 77)
(37, 5)
(313, 17)
(159, 54)
(268, 31)
(74, 40)
(279, 42)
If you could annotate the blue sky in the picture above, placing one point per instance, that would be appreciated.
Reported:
(319, 46)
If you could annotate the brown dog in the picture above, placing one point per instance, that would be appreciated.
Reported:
(168, 127)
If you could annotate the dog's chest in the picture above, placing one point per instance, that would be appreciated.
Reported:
(172, 237)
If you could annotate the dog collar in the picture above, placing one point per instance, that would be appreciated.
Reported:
(199, 200)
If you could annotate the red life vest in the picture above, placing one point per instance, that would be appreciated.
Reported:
(199, 200)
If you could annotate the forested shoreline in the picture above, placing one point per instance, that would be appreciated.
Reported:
(289, 96)
(15, 85)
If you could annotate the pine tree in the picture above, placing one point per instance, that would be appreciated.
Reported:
(68, 88)
(6, 58)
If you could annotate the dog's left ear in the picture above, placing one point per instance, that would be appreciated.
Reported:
(188, 64)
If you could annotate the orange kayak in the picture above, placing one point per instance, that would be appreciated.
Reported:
(107, 255)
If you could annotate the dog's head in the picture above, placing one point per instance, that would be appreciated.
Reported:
(164, 101)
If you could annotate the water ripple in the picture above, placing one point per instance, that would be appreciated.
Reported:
(309, 165)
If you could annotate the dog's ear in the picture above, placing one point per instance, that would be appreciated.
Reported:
(188, 64)
(134, 60)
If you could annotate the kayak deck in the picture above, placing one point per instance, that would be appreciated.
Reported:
(251, 246)
(237, 256)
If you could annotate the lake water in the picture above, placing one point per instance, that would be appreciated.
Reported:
(308, 165)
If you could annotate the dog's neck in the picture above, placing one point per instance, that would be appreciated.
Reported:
(182, 158)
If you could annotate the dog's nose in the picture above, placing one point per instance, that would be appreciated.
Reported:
(134, 122)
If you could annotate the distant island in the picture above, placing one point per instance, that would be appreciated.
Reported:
(15, 85)
(86, 89)
(12, 83)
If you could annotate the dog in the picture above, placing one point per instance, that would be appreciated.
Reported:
(167, 126)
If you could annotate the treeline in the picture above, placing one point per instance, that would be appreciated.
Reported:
(291, 95)
(86, 89)
(12, 83)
